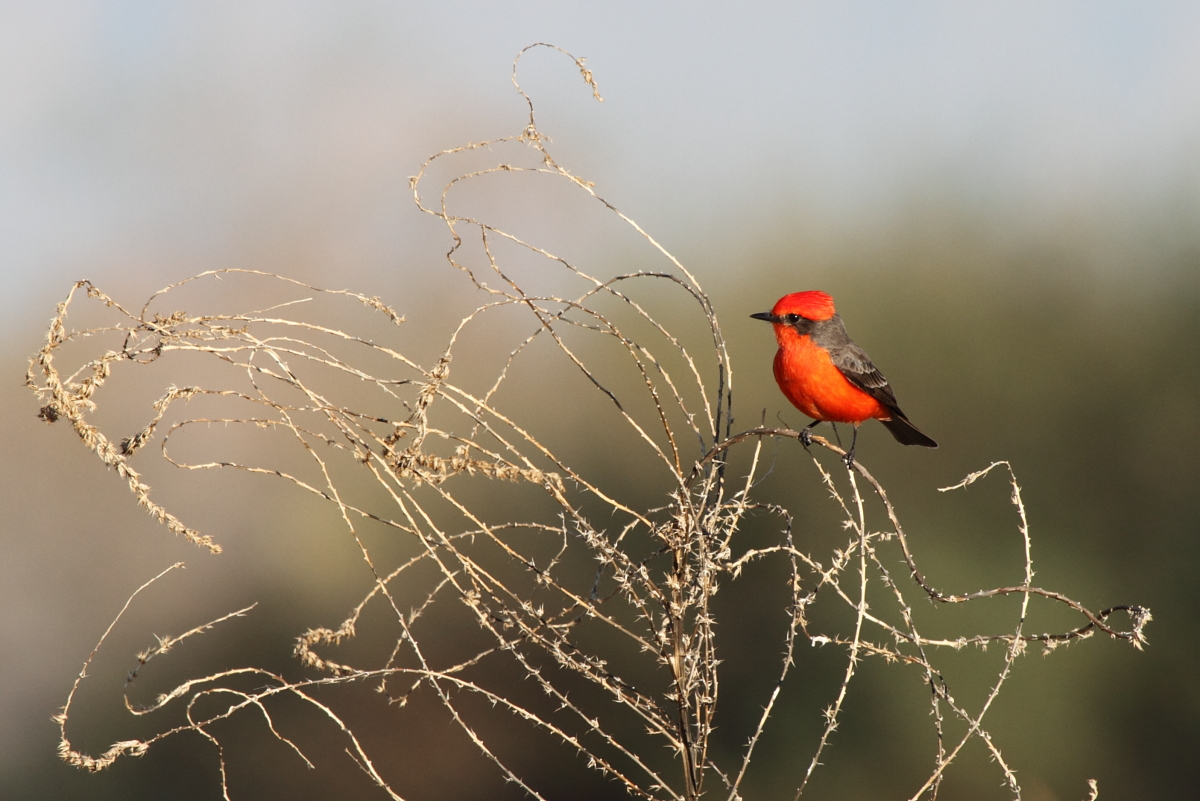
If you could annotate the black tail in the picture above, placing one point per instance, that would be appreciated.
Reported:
(905, 432)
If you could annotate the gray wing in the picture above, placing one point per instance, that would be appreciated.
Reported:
(853, 361)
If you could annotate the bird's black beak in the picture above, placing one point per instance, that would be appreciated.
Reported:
(770, 318)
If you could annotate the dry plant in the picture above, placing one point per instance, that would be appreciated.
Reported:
(601, 608)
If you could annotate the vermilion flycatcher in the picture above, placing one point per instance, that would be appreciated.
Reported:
(828, 377)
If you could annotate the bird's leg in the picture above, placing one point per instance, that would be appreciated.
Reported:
(806, 433)
(849, 457)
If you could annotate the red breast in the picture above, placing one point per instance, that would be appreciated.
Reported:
(815, 386)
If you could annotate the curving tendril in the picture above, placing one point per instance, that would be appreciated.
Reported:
(522, 556)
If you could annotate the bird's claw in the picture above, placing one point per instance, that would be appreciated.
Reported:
(805, 437)
(849, 460)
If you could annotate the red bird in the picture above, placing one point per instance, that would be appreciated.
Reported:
(826, 376)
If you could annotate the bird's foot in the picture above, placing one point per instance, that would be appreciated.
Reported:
(849, 459)
(806, 433)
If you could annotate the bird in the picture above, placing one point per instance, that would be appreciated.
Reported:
(827, 376)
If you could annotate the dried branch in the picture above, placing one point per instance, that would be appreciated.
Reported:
(600, 604)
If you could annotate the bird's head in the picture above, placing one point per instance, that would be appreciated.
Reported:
(799, 308)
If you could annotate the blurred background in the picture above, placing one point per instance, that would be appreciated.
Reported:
(1004, 199)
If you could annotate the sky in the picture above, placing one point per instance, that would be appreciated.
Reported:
(158, 133)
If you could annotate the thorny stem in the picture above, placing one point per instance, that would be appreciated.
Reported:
(508, 592)
(698, 531)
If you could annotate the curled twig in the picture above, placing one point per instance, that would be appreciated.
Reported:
(510, 551)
